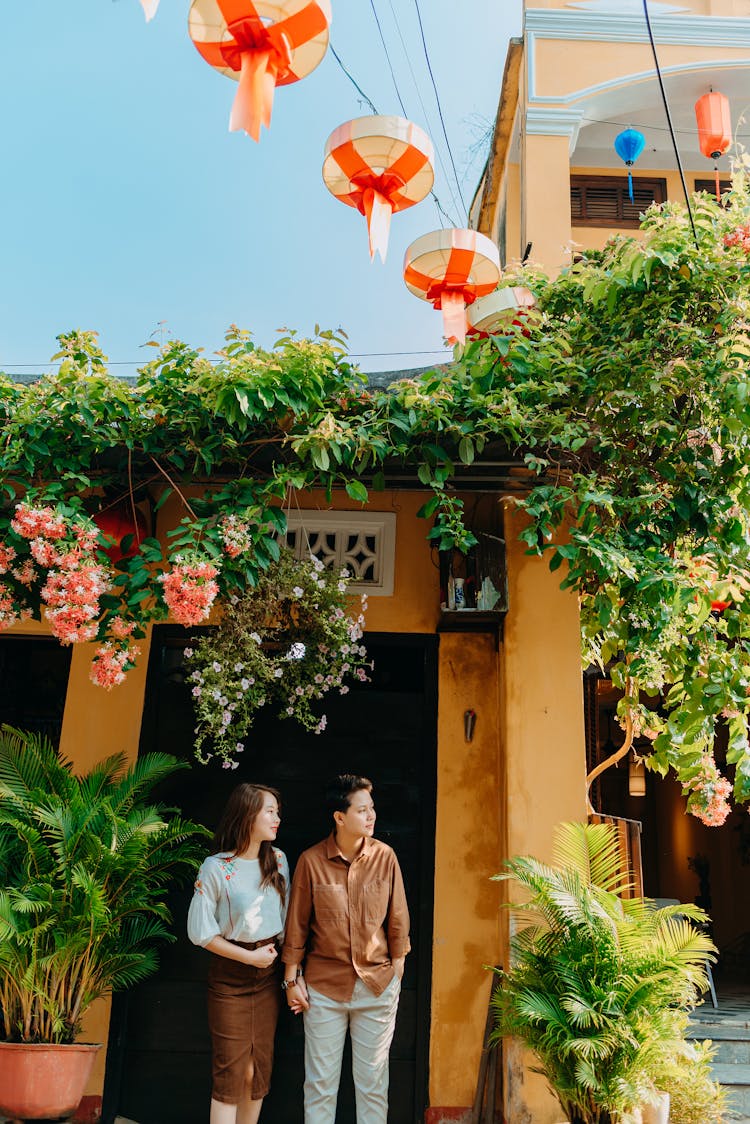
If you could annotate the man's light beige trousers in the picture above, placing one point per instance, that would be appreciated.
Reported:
(370, 1020)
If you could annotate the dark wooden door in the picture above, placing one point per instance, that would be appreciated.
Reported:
(34, 674)
(158, 1068)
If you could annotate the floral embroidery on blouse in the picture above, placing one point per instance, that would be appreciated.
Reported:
(229, 865)
(198, 886)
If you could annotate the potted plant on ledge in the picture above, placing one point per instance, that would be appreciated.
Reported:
(599, 985)
(86, 864)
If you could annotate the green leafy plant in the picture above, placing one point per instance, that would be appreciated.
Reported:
(598, 984)
(286, 644)
(87, 863)
(622, 406)
(694, 1097)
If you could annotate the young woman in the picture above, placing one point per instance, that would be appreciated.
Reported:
(238, 913)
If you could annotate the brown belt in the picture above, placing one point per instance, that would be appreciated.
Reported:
(255, 944)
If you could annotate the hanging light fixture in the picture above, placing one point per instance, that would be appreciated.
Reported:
(149, 8)
(450, 269)
(714, 119)
(379, 165)
(262, 45)
(636, 776)
(629, 145)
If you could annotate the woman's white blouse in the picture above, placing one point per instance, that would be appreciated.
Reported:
(229, 902)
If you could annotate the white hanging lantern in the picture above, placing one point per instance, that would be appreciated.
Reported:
(379, 165)
(451, 269)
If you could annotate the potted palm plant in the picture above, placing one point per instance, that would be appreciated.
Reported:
(86, 863)
(598, 984)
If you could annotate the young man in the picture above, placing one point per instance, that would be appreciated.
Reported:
(348, 921)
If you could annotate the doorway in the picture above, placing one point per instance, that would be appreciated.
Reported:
(34, 673)
(158, 1064)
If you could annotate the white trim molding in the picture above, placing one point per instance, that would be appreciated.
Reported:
(363, 542)
(548, 122)
(609, 27)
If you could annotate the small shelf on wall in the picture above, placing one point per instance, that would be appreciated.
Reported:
(471, 620)
(482, 577)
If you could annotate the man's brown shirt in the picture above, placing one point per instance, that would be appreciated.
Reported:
(347, 920)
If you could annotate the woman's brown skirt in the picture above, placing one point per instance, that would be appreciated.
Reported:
(243, 1009)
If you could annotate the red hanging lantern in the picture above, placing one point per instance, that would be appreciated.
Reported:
(116, 523)
(714, 128)
(501, 310)
(379, 165)
(451, 268)
(264, 44)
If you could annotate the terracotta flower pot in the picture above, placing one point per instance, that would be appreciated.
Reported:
(42, 1082)
(657, 1113)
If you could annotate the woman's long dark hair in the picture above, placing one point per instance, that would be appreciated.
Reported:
(235, 829)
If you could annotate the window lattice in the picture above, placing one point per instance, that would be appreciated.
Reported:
(363, 543)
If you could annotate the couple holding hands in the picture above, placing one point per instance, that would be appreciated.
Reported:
(344, 920)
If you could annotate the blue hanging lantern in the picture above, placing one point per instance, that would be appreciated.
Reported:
(629, 145)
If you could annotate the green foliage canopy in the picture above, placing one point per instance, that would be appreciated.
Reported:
(625, 397)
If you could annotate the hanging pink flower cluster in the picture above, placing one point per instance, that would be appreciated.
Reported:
(740, 236)
(236, 535)
(75, 580)
(116, 656)
(38, 523)
(71, 594)
(708, 794)
(189, 590)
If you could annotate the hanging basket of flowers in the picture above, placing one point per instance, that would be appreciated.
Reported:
(285, 644)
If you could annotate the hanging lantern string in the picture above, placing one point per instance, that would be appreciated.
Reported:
(669, 122)
(442, 213)
(586, 120)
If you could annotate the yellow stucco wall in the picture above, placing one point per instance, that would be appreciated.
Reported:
(563, 67)
(545, 200)
(543, 738)
(468, 850)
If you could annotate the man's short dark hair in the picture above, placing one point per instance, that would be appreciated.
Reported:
(340, 789)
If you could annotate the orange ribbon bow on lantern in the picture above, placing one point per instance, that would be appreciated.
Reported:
(249, 40)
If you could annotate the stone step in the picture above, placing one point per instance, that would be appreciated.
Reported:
(736, 1080)
(728, 1048)
(704, 1028)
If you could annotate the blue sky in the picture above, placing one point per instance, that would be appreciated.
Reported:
(126, 202)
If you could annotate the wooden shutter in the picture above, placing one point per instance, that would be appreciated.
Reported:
(604, 200)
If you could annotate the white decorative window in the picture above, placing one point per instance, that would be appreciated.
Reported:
(362, 541)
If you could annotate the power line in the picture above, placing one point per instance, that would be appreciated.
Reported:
(439, 107)
(139, 363)
(428, 122)
(388, 59)
(669, 121)
(354, 83)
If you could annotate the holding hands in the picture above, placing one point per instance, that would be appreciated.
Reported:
(296, 995)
